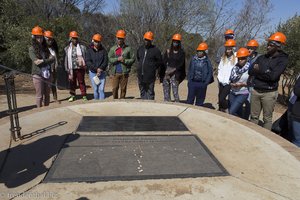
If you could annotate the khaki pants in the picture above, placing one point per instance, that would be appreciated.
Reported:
(119, 80)
(263, 102)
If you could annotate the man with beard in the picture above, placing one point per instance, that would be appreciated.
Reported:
(266, 73)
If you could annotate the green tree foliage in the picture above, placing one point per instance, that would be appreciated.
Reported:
(291, 28)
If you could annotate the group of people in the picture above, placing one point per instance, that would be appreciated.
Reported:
(247, 81)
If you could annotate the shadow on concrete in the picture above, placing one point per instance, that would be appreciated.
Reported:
(209, 105)
(25, 162)
(83, 198)
(20, 109)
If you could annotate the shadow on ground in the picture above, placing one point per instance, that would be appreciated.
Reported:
(23, 163)
(20, 109)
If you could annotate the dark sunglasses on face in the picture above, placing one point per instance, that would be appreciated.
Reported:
(242, 58)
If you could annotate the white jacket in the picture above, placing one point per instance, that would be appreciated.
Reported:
(224, 69)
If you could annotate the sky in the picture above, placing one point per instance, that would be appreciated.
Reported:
(282, 9)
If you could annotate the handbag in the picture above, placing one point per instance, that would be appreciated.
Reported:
(96, 80)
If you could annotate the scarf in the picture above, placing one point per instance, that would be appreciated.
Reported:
(81, 62)
(237, 72)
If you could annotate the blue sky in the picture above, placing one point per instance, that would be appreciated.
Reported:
(282, 9)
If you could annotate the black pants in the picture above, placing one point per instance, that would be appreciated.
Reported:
(147, 90)
(224, 90)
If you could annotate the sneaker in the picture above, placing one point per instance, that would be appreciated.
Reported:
(72, 98)
(84, 98)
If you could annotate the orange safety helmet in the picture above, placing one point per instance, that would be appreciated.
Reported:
(229, 32)
(279, 37)
(202, 47)
(148, 35)
(97, 37)
(242, 52)
(230, 43)
(177, 36)
(37, 31)
(73, 34)
(252, 43)
(48, 34)
(121, 34)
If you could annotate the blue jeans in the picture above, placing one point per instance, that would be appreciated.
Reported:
(296, 132)
(236, 102)
(196, 90)
(98, 89)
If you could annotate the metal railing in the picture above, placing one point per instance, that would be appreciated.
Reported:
(15, 128)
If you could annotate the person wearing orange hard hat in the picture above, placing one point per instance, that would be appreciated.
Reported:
(228, 35)
(41, 66)
(120, 58)
(266, 72)
(238, 80)
(149, 61)
(174, 73)
(74, 61)
(53, 48)
(200, 73)
(225, 66)
(96, 62)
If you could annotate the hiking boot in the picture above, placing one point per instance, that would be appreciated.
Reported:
(72, 98)
(84, 98)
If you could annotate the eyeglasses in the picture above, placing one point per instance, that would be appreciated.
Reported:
(242, 58)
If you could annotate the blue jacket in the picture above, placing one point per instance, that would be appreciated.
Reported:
(200, 70)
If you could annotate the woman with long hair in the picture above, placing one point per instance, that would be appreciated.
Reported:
(174, 61)
(41, 66)
(53, 49)
(227, 62)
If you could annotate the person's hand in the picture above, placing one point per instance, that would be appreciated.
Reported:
(99, 71)
(38, 61)
(256, 67)
(120, 59)
(70, 77)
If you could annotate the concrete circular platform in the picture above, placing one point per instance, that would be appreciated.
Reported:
(259, 166)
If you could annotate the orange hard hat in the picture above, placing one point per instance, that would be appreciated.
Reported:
(177, 36)
(229, 32)
(121, 34)
(148, 35)
(252, 43)
(73, 34)
(97, 37)
(37, 31)
(48, 34)
(230, 43)
(279, 37)
(242, 52)
(202, 46)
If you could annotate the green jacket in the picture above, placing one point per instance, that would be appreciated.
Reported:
(128, 56)
(36, 69)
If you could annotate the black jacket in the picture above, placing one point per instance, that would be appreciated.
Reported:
(270, 68)
(175, 61)
(149, 60)
(96, 59)
(296, 106)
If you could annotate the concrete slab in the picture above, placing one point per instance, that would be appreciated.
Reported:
(260, 168)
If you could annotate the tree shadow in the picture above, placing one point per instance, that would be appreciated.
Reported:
(25, 162)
